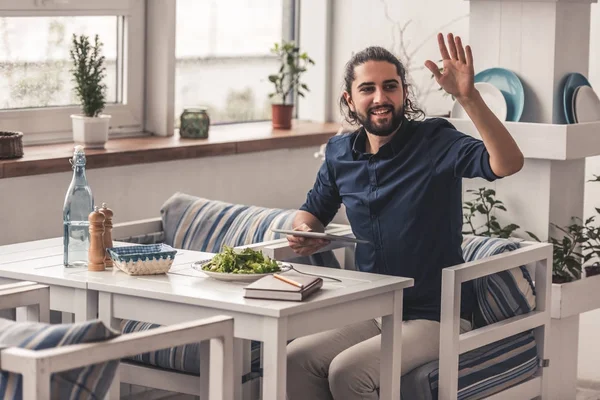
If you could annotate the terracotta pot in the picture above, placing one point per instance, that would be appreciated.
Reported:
(282, 115)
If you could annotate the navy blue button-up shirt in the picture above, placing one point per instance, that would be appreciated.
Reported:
(406, 200)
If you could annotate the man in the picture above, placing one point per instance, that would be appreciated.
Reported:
(400, 180)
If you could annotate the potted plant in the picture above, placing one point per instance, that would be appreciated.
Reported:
(90, 129)
(287, 82)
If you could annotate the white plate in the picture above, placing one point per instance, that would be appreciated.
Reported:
(221, 276)
(491, 95)
(319, 235)
(587, 105)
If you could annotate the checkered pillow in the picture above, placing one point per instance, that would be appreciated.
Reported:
(502, 295)
(89, 382)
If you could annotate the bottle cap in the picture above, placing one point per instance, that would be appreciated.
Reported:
(79, 149)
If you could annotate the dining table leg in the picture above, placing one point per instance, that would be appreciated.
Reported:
(86, 305)
(391, 351)
(274, 358)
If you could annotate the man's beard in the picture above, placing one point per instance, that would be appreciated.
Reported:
(385, 129)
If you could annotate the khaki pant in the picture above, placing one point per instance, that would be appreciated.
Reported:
(343, 364)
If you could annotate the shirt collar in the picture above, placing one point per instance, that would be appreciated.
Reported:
(392, 147)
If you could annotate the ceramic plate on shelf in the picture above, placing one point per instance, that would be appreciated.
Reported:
(491, 96)
(587, 105)
(573, 103)
(511, 88)
(571, 82)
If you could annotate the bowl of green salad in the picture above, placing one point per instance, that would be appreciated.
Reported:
(245, 265)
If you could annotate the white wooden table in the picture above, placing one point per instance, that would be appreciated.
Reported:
(42, 261)
(186, 294)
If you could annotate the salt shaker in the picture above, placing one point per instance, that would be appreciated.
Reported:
(108, 214)
(97, 250)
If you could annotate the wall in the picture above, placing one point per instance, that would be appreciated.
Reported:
(382, 22)
(32, 206)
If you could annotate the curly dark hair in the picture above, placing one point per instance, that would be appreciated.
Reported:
(376, 53)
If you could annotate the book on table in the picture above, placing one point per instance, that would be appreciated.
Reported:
(297, 288)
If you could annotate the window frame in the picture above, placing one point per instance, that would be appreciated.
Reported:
(53, 124)
(289, 29)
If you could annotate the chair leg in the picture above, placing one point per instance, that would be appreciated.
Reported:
(36, 386)
(114, 392)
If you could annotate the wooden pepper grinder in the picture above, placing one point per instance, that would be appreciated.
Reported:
(96, 251)
(108, 215)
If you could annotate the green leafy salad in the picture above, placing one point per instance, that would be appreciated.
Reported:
(247, 261)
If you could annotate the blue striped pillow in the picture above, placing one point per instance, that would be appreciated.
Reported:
(88, 382)
(184, 358)
(502, 295)
(492, 368)
(200, 224)
(195, 223)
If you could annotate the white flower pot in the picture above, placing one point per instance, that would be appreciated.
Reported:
(90, 132)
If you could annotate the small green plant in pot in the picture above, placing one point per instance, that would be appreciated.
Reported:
(484, 203)
(90, 129)
(293, 64)
(567, 256)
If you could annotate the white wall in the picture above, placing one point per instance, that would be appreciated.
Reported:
(426, 17)
(32, 206)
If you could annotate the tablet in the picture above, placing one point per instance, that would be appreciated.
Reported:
(319, 235)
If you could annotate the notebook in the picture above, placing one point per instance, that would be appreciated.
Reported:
(272, 288)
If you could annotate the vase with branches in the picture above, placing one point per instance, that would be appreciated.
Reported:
(90, 128)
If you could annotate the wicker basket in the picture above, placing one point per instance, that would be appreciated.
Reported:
(148, 259)
(11, 145)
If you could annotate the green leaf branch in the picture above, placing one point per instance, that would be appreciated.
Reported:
(88, 73)
(293, 64)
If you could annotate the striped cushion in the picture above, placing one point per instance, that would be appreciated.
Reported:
(206, 225)
(482, 372)
(504, 294)
(184, 358)
(88, 382)
(200, 224)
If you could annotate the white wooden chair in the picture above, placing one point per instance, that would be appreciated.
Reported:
(537, 257)
(37, 366)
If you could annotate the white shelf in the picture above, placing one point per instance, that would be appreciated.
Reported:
(574, 298)
(547, 141)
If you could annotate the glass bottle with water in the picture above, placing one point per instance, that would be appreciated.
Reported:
(79, 203)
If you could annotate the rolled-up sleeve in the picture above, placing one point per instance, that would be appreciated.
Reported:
(464, 155)
(323, 200)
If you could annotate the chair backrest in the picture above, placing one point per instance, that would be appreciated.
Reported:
(502, 295)
(91, 381)
(200, 224)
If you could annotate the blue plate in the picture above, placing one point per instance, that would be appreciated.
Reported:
(571, 82)
(511, 87)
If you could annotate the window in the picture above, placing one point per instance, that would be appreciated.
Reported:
(223, 56)
(35, 63)
(36, 94)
